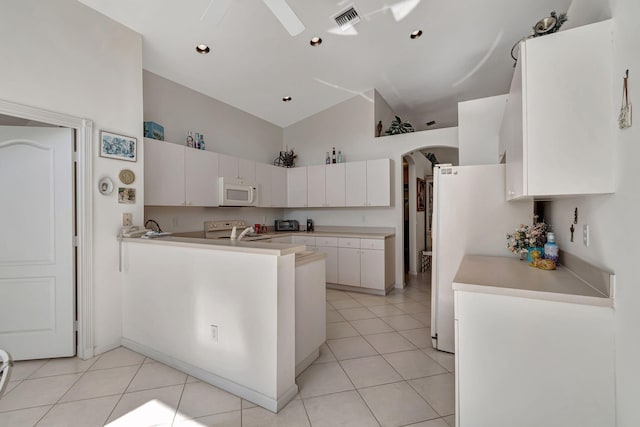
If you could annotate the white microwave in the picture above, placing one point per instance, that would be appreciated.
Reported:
(236, 192)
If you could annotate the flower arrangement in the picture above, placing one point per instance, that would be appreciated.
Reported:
(525, 237)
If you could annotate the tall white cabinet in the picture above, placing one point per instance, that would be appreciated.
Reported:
(164, 176)
(559, 120)
(201, 177)
(368, 183)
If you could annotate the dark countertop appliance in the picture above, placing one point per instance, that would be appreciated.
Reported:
(287, 225)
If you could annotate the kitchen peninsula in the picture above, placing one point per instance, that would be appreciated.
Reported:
(222, 311)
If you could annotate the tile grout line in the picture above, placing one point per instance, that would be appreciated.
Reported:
(124, 392)
(184, 386)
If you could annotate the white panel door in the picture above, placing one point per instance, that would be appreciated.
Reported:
(263, 182)
(297, 187)
(278, 187)
(36, 248)
(335, 185)
(201, 177)
(163, 173)
(356, 183)
(379, 182)
(316, 186)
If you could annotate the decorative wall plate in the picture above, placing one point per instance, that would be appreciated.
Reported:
(105, 186)
(127, 176)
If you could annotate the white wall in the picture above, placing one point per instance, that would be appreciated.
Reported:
(348, 127)
(479, 122)
(383, 113)
(613, 218)
(64, 57)
(226, 129)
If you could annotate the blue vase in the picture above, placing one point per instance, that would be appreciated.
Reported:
(540, 250)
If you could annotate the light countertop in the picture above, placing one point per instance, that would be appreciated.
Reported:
(513, 277)
(256, 247)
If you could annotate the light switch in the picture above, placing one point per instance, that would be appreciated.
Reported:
(585, 234)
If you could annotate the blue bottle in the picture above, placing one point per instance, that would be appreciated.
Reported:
(550, 248)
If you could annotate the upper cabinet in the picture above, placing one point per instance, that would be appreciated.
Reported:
(164, 177)
(272, 186)
(297, 187)
(230, 166)
(559, 121)
(368, 183)
(201, 177)
(326, 185)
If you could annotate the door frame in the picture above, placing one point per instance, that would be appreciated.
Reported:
(83, 157)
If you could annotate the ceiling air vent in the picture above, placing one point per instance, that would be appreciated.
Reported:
(348, 18)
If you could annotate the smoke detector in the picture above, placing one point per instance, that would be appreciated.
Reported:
(347, 18)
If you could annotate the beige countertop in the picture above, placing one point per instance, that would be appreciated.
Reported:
(320, 233)
(255, 247)
(513, 277)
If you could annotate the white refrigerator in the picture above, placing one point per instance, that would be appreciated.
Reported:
(470, 217)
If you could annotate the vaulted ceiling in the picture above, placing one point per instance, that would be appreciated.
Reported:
(463, 53)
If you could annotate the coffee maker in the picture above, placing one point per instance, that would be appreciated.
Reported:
(309, 225)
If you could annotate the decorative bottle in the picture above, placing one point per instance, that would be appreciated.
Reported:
(551, 248)
(201, 142)
(339, 156)
(333, 155)
(327, 160)
(189, 139)
(196, 141)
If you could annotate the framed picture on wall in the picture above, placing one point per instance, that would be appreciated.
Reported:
(421, 190)
(116, 146)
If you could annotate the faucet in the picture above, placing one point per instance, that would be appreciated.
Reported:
(245, 232)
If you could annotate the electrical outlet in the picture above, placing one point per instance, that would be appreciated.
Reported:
(127, 219)
(214, 333)
(585, 235)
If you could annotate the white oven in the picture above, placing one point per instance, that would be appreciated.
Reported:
(236, 192)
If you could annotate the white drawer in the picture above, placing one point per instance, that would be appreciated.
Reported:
(344, 242)
(372, 244)
(331, 242)
(307, 240)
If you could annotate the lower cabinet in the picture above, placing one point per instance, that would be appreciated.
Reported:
(349, 266)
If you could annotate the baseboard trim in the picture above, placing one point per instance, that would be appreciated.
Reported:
(104, 348)
(273, 405)
(304, 364)
(356, 289)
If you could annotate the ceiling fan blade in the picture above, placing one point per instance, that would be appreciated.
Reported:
(286, 16)
(215, 11)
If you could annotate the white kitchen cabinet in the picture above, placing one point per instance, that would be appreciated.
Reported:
(264, 183)
(356, 183)
(297, 187)
(299, 239)
(329, 246)
(201, 177)
(278, 187)
(282, 239)
(164, 173)
(379, 182)
(368, 183)
(372, 268)
(335, 185)
(349, 266)
(513, 351)
(230, 166)
(558, 125)
(316, 186)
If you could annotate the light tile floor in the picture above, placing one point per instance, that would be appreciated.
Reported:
(376, 369)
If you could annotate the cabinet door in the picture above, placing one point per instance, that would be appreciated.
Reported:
(316, 186)
(372, 268)
(297, 187)
(379, 182)
(335, 185)
(278, 187)
(349, 266)
(163, 173)
(264, 183)
(247, 169)
(331, 262)
(227, 166)
(511, 136)
(201, 177)
(356, 183)
(304, 240)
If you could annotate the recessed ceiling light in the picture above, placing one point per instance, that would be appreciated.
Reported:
(203, 49)
(315, 41)
(431, 123)
(286, 99)
(416, 33)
